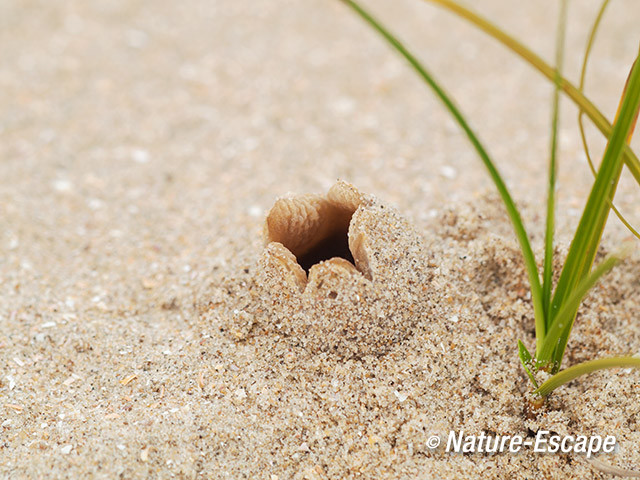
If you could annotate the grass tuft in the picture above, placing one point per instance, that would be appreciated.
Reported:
(554, 314)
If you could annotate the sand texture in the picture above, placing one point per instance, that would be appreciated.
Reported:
(152, 327)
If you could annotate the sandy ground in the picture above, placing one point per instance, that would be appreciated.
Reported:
(141, 146)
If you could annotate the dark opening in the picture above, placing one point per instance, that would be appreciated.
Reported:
(336, 245)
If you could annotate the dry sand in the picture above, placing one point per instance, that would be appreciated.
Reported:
(141, 146)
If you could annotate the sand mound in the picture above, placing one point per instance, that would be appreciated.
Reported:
(456, 369)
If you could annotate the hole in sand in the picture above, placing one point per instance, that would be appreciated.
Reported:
(335, 245)
(315, 228)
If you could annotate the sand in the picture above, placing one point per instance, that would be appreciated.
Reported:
(142, 145)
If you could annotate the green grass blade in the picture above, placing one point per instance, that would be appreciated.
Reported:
(555, 341)
(539, 64)
(514, 215)
(575, 371)
(547, 276)
(527, 361)
(587, 237)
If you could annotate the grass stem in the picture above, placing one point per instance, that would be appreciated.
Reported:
(539, 64)
(575, 371)
(583, 73)
(514, 215)
(547, 276)
(587, 237)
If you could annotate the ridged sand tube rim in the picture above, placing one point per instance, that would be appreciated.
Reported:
(352, 304)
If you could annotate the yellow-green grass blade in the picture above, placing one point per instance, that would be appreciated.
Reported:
(547, 275)
(571, 373)
(555, 341)
(599, 120)
(514, 215)
(587, 237)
